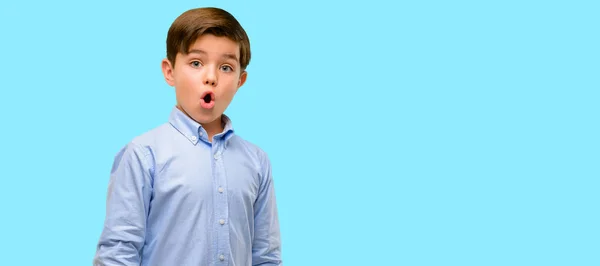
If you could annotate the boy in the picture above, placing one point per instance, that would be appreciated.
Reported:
(192, 192)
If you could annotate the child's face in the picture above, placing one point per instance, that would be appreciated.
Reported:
(207, 78)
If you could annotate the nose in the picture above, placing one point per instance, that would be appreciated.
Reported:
(210, 78)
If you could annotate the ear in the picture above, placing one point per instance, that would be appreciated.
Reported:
(242, 80)
(167, 70)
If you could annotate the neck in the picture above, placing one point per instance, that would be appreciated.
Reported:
(213, 128)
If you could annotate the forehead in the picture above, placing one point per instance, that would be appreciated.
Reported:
(213, 45)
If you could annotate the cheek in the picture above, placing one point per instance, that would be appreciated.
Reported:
(186, 88)
(187, 82)
(228, 91)
(184, 77)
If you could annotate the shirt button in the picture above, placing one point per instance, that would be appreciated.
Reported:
(222, 221)
(222, 258)
(194, 138)
(220, 190)
(216, 156)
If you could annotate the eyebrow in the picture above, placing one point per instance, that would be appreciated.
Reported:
(225, 56)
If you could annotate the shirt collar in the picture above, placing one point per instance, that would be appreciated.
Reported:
(193, 131)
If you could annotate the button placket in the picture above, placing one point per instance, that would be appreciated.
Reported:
(221, 197)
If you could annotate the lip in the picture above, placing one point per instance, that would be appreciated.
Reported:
(210, 104)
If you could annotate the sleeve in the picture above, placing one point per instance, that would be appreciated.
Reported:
(266, 246)
(127, 205)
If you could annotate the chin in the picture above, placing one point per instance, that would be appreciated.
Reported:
(205, 118)
(198, 114)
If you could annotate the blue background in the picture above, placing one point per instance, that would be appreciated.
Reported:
(400, 132)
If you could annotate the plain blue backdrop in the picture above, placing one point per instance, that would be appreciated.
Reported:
(400, 132)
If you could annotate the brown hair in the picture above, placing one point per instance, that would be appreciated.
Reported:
(193, 23)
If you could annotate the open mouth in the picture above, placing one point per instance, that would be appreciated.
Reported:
(208, 100)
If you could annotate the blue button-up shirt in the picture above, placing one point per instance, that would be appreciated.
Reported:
(177, 199)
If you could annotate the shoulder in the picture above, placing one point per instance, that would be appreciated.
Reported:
(142, 146)
(250, 147)
(255, 152)
(153, 136)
